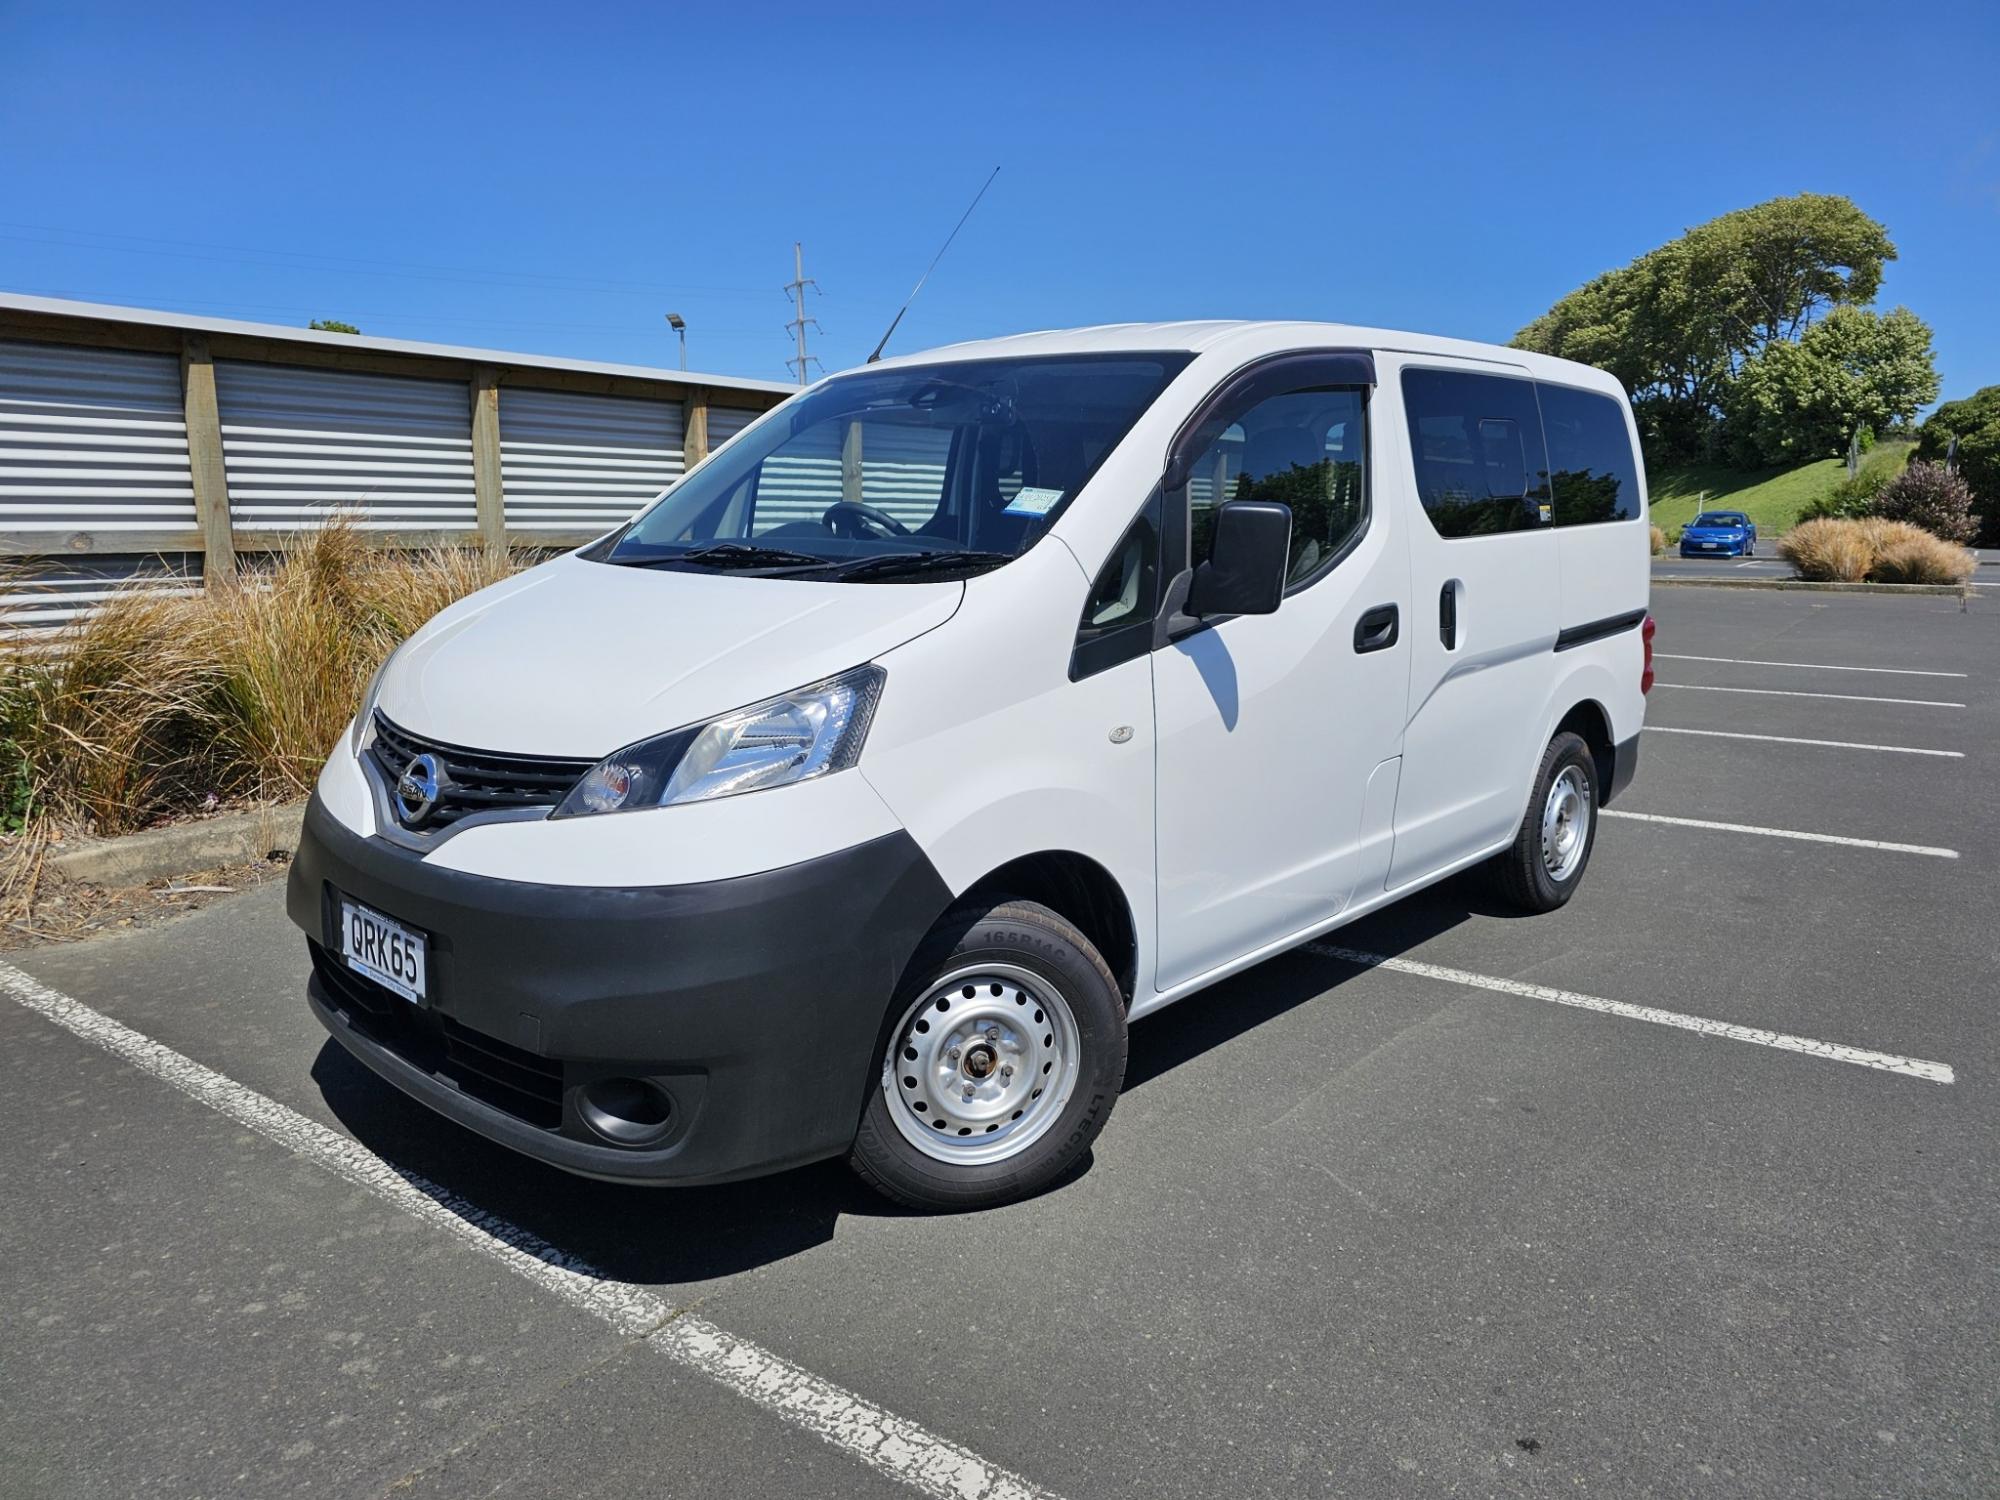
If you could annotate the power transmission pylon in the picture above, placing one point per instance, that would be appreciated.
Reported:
(796, 288)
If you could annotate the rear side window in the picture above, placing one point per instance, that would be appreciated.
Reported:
(1477, 444)
(1591, 467)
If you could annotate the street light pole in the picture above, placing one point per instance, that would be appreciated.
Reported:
(679, 325)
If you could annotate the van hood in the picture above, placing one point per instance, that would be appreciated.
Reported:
(577, 658)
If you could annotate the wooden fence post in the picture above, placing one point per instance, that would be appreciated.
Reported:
(205, 466)
(489, 496)
(850, 464)
(694, 428)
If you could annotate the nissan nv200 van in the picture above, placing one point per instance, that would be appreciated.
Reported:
(853, 798)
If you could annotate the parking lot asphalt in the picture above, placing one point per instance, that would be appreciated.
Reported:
(1504, 1216)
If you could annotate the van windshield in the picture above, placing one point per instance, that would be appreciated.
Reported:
(919, 471)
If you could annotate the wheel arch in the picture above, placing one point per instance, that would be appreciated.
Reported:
(1589, 722)
(1081, 891)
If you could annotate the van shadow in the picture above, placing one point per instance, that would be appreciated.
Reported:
(1211, 658)
(665, 1237)
(646, 1235)
(1264, 993)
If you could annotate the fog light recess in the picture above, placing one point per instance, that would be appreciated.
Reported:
(626, 1111)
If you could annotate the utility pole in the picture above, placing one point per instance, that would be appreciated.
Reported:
(796, 289)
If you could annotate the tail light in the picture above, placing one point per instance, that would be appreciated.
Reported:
(1646, 632)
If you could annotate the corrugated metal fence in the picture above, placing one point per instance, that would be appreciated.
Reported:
(573, 461)
(92, 438)
(102, 475)
(299, 444)
(902, 472)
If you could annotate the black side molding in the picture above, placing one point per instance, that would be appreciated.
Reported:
(1597, 630)
(1624, 766)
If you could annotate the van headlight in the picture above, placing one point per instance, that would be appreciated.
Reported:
(361, 733)
(793, 737)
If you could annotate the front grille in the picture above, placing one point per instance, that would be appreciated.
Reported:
(474, 780)
(511, 1079)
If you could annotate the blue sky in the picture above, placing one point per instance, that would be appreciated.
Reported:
(555, 178)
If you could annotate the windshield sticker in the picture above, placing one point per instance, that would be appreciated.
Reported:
(1033, 502)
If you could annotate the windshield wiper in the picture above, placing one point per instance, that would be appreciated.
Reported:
(922, 562)
(733, 555)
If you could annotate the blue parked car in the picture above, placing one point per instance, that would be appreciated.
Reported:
(1719, 533)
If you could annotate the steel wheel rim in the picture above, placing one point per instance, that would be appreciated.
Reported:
(1566, 824)
(1006, 1034)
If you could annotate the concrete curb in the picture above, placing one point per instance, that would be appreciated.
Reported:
(1943, 590)
(135, 858)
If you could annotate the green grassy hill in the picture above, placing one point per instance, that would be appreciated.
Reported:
(1770, 497)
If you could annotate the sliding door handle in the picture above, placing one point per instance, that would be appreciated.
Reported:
(1376, 629)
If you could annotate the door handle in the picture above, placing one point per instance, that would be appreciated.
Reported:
(1448, 616)
(1376, 629)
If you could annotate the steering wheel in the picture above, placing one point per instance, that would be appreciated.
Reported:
(858, 517)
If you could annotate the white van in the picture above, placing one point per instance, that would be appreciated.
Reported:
(854, 797)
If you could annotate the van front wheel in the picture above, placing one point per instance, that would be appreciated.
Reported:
(1003, 1056)
(1545, 864)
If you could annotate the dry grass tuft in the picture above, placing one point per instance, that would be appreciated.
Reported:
(1659, 538)
(1827, 551)
(153, 705)
(1855, 551)
(1922, 558)
(296, 648)
(111, 723)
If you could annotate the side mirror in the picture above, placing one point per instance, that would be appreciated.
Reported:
(1247, 561)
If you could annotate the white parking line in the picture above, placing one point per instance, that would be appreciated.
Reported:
(1810, 666)
(1786, 739)
(1782, 833)
(1860, 1057)
(887, 1443)
(1703, 687)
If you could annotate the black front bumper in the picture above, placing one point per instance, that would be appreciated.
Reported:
(754, 1005)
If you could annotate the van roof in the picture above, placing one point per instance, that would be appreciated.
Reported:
(1255, 337)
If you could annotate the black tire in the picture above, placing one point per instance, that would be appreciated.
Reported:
(1521, 874)
(1019, 935)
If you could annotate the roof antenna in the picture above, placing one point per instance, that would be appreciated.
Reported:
(932, 266)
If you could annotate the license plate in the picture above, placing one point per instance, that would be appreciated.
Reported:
(1711, 545)
(386, 951)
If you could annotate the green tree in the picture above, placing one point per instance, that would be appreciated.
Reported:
(1975, 423)
(1677, 324)
(1775, 267)
(1805, 398)
(331, 325)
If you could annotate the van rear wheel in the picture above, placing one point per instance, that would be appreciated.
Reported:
(1541, 870)
(1004, 1053)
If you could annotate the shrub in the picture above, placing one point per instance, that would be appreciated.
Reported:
(1872, 550)
(1659, 538)
(1925, 495)
(1975, 422)
(1847, 498)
